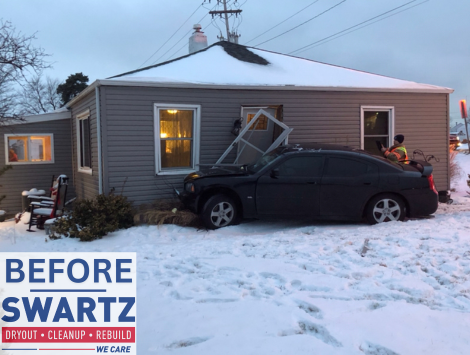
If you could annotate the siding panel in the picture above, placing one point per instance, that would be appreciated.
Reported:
(25, 177)
(334, 117)
(86, 185)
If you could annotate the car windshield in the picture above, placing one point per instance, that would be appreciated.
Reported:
(265, 160)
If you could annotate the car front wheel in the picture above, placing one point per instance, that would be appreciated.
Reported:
(385, 208)
(219, 211)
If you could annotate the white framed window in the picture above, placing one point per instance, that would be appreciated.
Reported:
(377, 125)
(177, 130)
(29, 148)
(84, 142)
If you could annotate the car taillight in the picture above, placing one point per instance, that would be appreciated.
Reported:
(431, 184)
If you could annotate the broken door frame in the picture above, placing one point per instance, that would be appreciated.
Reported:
(282, 137)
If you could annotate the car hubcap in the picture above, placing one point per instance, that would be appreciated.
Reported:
(222, 214)
(387, 210)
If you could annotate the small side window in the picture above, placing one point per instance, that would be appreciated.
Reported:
(84, 142)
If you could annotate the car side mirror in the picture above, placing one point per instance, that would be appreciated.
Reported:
(274, 173)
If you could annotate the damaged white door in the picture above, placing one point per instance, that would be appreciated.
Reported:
(260, 134)
(258, 145)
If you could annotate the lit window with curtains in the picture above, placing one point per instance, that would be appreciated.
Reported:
(29, 148)
(176, 138)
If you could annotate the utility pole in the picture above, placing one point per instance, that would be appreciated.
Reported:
(231, 36)
(464, 114)
(226, 20)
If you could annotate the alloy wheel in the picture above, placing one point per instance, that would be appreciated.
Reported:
(386, 210)
(222, 214)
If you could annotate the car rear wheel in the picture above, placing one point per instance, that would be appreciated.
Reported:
(219, 211)
(385, 208)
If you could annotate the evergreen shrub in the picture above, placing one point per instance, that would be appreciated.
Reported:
(94, 218)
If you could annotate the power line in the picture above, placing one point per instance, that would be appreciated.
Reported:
(359, 24)
(183, 37)
(344, 34)
(174, 53)
(280, 23)
(171, 36)
(171, 56)
(303, 23)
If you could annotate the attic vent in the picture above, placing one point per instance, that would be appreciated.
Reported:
(242, 53)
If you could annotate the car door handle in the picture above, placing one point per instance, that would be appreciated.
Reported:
(367, 183)
(312, 182)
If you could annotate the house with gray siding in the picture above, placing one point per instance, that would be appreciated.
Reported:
(141, 132)
(460, 130)
(37, 148)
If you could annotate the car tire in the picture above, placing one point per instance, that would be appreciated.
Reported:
(219, 211)
(385, 208)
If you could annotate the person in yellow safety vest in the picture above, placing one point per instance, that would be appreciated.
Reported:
(397, 152)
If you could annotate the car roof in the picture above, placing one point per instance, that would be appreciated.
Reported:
(315, 147)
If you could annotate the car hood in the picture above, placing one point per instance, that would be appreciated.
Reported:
(217, 171)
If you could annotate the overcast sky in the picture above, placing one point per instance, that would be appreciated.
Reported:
(428, 43)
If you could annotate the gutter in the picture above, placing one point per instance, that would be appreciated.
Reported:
(80, 96)
(186, 85)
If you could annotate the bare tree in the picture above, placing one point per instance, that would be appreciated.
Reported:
(39, 96)
(18, 59)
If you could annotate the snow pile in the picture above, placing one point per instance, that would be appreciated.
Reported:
(273, 287)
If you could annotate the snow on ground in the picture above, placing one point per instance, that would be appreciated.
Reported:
(296, 287)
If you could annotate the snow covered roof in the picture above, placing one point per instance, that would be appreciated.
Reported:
(59, 114)
(457, 129)
(228, 65)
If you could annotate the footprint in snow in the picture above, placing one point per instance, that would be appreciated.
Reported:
(217, 300)
(269, 275)
(376, 305)
(315, 330)
(187, 342)
(296, 283)
(310, 309)
(374, 349)
(177, 296)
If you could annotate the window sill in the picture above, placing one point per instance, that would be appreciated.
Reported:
(28, 162)
(85, 171)
(176, 172)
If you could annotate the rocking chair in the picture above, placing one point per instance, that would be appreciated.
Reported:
(44, 208)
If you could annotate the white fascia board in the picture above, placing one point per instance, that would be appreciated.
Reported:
(44, 117)
(90, 88)
(114, 82)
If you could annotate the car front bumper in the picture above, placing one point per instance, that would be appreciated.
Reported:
(189, 200)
